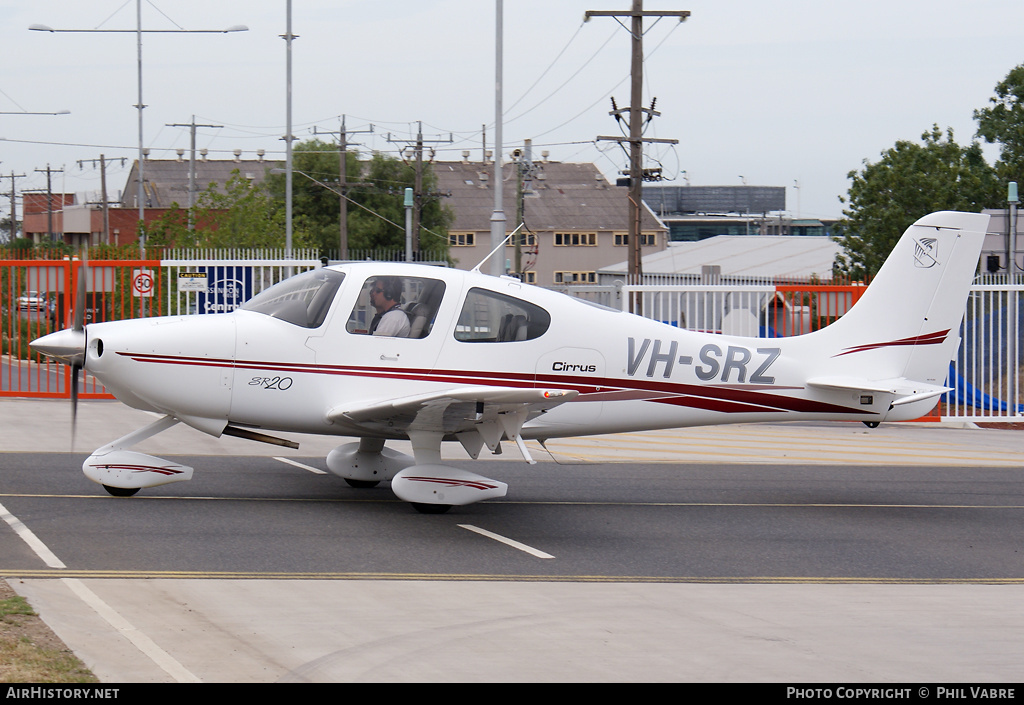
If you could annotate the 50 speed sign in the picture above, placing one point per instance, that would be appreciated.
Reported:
(143, 282)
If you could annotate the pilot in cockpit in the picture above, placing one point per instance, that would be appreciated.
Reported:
(386, 298)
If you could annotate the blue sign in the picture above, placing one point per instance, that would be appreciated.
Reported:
(227, 288)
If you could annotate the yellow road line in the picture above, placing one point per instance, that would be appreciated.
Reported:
(485, 577)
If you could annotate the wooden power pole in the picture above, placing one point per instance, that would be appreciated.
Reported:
(343, 144)
(418, 194)
(636, 121)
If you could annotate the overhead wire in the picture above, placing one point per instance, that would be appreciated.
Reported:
(550, 66)
(460, 138)
(12, 100)
(564, 83)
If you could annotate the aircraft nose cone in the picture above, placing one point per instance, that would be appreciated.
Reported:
(67, 345)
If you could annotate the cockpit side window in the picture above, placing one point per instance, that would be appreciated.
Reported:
(396, 307)
(302, 300)
(490, 317)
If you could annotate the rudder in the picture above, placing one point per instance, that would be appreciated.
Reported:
(907, 323)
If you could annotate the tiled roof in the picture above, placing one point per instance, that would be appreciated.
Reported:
(167, 179)
(563, 197)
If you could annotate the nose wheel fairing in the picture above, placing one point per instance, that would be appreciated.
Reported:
(117, 468)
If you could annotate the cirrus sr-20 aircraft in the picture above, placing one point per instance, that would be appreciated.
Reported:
(478, 359)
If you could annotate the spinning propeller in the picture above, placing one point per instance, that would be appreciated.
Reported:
(68, 345)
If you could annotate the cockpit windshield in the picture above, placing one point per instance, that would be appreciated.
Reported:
(302, 300)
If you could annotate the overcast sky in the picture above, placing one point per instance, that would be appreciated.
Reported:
(774, 93)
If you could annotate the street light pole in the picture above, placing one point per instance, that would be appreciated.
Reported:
(288, 37)
(138, 42)
(498, 219)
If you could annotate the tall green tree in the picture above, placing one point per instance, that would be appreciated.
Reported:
(241, 214)
(1003, 123)
(910, 180)
(375, 188)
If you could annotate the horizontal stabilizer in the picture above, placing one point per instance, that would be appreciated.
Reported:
(904, 390)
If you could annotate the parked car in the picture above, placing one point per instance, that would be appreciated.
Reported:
(32, 301)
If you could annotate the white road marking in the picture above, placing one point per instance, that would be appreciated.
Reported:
(508, 542)
(318, 471)
(31, 539)
(123, 627)
(142, 642)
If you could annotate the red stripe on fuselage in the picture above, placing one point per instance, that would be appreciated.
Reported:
(723, 399)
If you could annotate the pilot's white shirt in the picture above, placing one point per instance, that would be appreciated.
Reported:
(394, 324)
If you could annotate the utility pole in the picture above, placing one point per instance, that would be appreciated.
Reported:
(103, 190)
(192, 165)
(636, 124)
(14, 213)
(49, 198)
(343, 184)
(418, 194)
(524, 178)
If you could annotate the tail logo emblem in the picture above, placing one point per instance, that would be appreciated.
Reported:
(926, 252)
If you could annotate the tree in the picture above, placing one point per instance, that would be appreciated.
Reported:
(376, 191)
(382, 192)
(910, 181)
(243, 214)
(1003, 123)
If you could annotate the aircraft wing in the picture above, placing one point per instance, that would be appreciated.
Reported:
(476, 415)
(904, 390)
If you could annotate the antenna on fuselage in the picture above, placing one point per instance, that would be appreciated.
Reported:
(510, 236)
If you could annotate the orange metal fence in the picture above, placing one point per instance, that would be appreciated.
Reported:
(39, 296)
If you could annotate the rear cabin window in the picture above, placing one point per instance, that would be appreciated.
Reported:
(490, 317)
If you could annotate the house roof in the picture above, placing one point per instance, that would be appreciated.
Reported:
(564, 196)
(782, 256)
(167, 179)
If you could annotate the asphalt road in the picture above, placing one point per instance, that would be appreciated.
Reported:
(786, 553)
(260, 516)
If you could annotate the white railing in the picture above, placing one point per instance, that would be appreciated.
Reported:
(241, 253)
(988, 372)
(220, 285)
(733, 310)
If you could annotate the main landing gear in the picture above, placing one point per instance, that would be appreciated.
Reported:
(420, 479)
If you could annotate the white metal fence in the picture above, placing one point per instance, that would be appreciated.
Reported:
(220, 285)
(988, 372)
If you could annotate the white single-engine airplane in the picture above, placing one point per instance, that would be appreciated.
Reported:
(488, 358)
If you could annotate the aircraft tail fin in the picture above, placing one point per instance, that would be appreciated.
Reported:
(905, 329)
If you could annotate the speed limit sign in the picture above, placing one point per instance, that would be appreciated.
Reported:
(142, 282)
